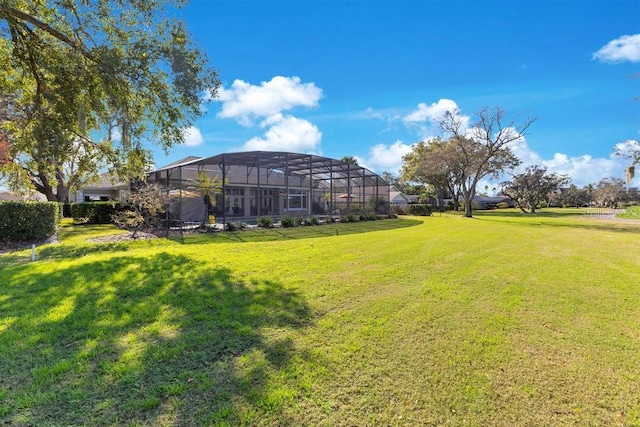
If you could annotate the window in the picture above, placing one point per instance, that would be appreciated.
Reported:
(297, 199)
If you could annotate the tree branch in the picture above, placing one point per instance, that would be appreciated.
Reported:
(17, 14)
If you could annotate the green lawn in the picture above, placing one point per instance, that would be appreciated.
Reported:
(504, 320)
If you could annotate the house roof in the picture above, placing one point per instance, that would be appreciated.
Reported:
(106, 181)
(183, 161)
(397, 195)
(4, 195)
(9, 196)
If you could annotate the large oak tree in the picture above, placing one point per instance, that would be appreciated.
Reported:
(84, 84)
(532, 187)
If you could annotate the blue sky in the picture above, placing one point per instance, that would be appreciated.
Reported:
(366, 78)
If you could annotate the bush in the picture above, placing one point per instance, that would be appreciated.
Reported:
(287, 221)
(20, 221)
(66, 210)
(368, 216)
(265, 222)
(421, 209)
(348, 218)
(399, 210)
(144, 204)
(314, 220)
(234, 226)
(94, 212)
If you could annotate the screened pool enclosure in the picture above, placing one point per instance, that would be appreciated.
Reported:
(244, 186)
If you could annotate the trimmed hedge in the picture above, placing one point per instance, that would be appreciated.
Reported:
(94, 212)
(424, 210)
(20, 221)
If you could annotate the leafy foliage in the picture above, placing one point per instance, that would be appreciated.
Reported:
(609, 192)
(420, 209)
(20, 221)
(434, 163)
(208, 186)
(94, 212)
(535, 185)
(265, 222)
(145, 203)
(85, 82)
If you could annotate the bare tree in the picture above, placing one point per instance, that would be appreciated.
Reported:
(484, 149)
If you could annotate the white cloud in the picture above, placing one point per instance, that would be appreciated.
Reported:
(192, 136)
(582, 170)
(286, 133)
(433, 112)
(386, 158)
(245, 102)
(426, 117)
(625, 48)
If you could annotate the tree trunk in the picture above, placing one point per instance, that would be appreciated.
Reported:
(468, 193)
(468, 200)
(440, 195)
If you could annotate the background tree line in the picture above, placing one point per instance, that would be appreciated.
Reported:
(451, 166)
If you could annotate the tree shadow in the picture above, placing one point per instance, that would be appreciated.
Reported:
(139, 340)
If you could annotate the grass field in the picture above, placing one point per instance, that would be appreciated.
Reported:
(503, 320)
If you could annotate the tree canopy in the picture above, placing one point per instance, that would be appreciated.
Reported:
(434, 163)
(533, 186)
(85, 84)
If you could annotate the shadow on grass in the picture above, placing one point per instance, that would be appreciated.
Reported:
(583, 220)
(308, 232)
(149, 341)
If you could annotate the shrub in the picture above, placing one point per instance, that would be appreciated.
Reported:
(420, 209)
(66, 210)
(287, 222)
(145, 203)
(399, 210)
(265, 222)
(94, 212)
(314, 220)
(20, 221)
(349, 218)
(235, 226)
(368, 216)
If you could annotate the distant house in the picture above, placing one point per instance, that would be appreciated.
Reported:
(6, 196)
(9, 196)
(485, 202)
(106, 189)
(397, 197)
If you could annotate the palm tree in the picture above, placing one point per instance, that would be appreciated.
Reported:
(208, 186)
(350, 159)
